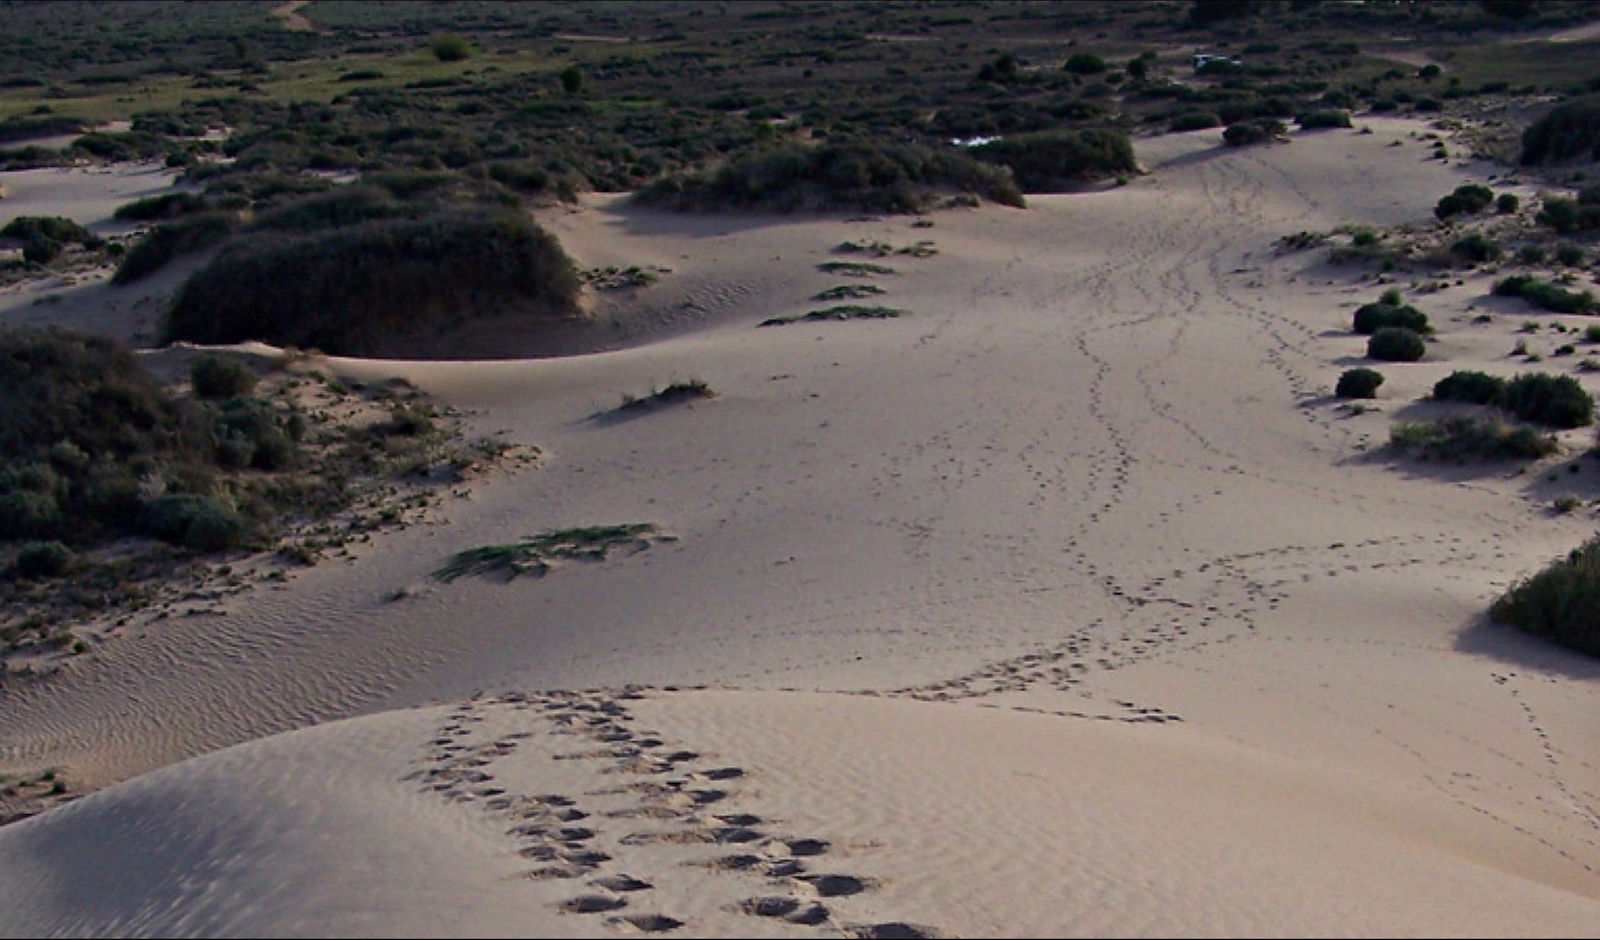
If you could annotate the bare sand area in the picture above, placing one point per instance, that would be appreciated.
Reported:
(1067, 602)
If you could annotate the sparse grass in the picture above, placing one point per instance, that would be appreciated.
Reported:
(842, 312)
(534, 555)
(854, 268)
(673, 394)
(859, 291)
(1464, 438)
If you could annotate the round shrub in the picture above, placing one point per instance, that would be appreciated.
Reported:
(1194, 121)
(451, 48)
(1396, 344)
(1085, 63)
(1556, 400)
(195, 522)
(1478, 388)
(1465, 200)
(1507, 203)
(1370, 318)
(1477, 248)
(1569, 254)
(1330, 117)
(220, 378)
(1558, 603)
(1359, 383)
(27, 514)
(43, 560)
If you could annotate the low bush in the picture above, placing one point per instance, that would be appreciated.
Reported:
(44, 238)
(199, 523)
(1507, 203)
(1569, 255)
(344, 289)
(1468, 199)
(1478, 388)
(873, 177)
(43, 560)
(1477, 249)
(1568, 215)
(1545, 294)
(1050, 160)
(1560, 603)
(348, 205)
(1194, 121)
(1396, 344)
(1359, 383)
(1328, 117)
(1463, 438)
(220, 378)
(1570, 131)
(1556, 400)
(1085, 63)
(172, 239)
(169, 206)
(450, 48)
(1370, 318)
(1260, 131)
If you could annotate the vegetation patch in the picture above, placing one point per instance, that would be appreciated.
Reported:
(1388, 311)
(1048, 161)
(1561, 603)
(1476, 388)
(849, 292)
(1571, 131)
(677, 393)
(872, 177)
(1545, 294)
(854, 268)
(1358, 383)
(171, 240)
(44, 238)
(1396, 344)
(344, 289)
(842, 312)
(1467, 199)
(538, 554)
(1464, 438)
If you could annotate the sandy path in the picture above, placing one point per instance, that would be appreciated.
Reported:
(1089, 473)
(292, 19)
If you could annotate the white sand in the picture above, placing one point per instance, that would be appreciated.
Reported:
(1092, 478)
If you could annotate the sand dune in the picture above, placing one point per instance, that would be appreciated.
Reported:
(1091, 477)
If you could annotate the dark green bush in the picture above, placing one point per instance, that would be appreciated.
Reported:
(1085, 63)
(1255, 132)
(1467, 199)
(1568, 215)
(1507, 203)
(1478, 388)
(1544, 294)
(1358, 383)
(1396, 344)
(1570, 131)
(348, 205)
(27, 514)
(1194, 121)
(1370, 318)
(1328, 117)
(450, 48)
(1556, 400)
(171, 239)
(1477, 248)
(199, 523)
(220, 378)
(169, 206)
(343, 290)
(43, 560)
(1050, 160)
(874, 177)
(1463, 438)
(1569, 255)
(1560, 603)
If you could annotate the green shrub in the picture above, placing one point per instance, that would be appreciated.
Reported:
(1568, 215)
(1396, 344)
(169, 206)
(27, 514)
(1328, 117)
(171, 239)
(1370, 318)
(1194, 121)
(1560, 603)
(1085, 63)
(1556, 400)
(43, 560)
(1050, 160)
(1468, 199)
(348, 205)
(1507, 203)
(1478, 388)
(1570, 131)
(1569, 255)
(1477, 248)
(1359, 383)
(873, 177)
(1532, 254)
(344, 290)
(1544, 294)
(53, 228)
(450, 48)
(1259, 131)
(220, 378)
(1462, 438)
(199, 523)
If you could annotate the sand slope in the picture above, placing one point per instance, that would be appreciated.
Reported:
(1093, 472)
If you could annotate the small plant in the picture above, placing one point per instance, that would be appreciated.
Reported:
(1469, 199)
(450, 48)
(43, 560)
(1389, 311)
(1507, 203)
(1477, 248)
(1565, 503)
(1366, 238)
(1461, 438)
(1532, 254)
(855, 292)
(844, 312)
(1569, 255)
(1556, 400)
(534, 555)
(1359, 383)
(1396, 344)
(216, 378)
(854, 268)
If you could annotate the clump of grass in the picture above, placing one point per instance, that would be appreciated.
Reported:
(676, 393)
(859, 291)
(534, 555)
(1462, 438)
(1565, 503)
(842, 312)
(1560, 603)
(217, 378)
(854, 268)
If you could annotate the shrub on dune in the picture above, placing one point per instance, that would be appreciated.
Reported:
(1560, 603)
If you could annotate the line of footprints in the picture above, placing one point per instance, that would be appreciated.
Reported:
(673, 791)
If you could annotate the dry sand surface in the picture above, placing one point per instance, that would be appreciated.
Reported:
(1066, 603)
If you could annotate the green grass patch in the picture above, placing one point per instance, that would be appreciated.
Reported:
(854, 268)
(537, 554)
(853, 292)
(841, 312)
(1470, 438)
